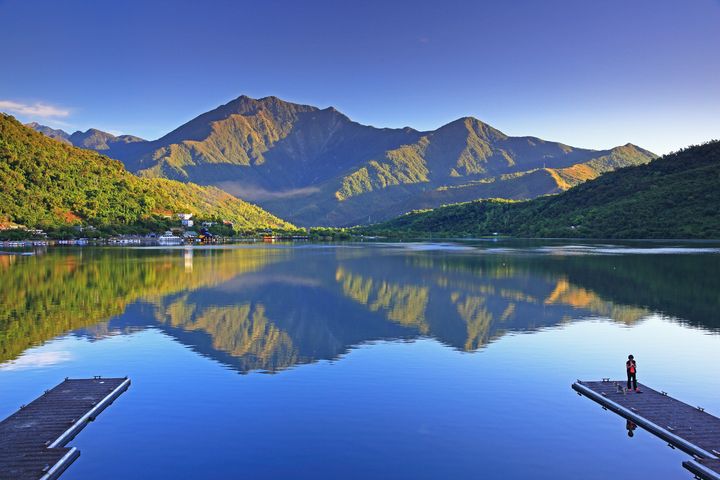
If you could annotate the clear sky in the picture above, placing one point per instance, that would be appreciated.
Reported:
(585, 72)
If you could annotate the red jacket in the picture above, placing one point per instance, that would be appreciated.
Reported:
(631, 366)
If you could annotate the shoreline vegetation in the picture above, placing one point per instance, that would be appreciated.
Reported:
(112, 235)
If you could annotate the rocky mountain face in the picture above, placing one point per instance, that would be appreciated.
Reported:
(318, 167)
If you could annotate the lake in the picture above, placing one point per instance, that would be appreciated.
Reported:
(415, 360)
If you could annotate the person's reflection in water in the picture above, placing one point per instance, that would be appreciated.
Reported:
(630, 425)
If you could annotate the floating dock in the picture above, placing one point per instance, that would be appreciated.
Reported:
(33, 439)
(688, 428)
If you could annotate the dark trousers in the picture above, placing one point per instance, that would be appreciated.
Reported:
(632, 377)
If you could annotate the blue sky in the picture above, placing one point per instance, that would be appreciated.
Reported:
(587, 73)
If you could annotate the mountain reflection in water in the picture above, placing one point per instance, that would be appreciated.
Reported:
(269, 308)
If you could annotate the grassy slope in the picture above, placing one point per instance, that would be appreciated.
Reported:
(47, 183)
(676, 196)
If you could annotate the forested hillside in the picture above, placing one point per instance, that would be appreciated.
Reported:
(676, 196)
(46, 183)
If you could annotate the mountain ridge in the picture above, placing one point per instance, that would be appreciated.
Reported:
(318, 167)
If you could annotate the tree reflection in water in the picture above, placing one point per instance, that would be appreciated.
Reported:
(269, 308)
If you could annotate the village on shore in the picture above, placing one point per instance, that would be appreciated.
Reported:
(185, 230)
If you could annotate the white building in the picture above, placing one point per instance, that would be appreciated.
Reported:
(185, 219)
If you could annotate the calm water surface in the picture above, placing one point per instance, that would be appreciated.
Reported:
(356, 361)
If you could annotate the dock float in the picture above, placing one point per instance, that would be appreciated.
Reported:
(683, 426)
(33, 439)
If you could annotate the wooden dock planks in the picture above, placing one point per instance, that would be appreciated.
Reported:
(33, 439)
(688, 428)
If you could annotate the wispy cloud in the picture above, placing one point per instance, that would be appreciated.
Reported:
(258, 194)
(37, 360)
(55, 123)
(36, 109)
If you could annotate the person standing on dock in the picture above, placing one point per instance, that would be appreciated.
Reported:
(631, 368)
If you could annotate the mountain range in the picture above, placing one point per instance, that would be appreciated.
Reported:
(92, 139)
(316, 166)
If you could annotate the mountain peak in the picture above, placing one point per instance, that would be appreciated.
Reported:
(199, 127)
(56, 134)
(632, 148)
(466, 125)
(245, 104)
